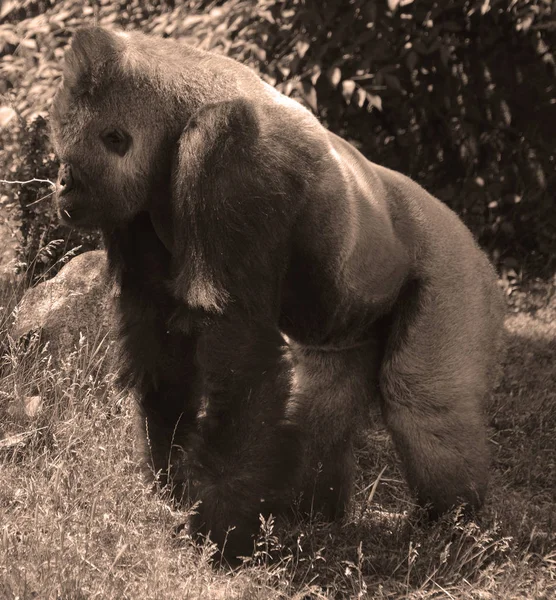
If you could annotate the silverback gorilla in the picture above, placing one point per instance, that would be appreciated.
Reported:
(273, 282)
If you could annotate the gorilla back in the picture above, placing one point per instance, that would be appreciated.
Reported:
(231, 217)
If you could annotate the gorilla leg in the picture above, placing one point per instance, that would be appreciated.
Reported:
(160, 367)
(165, 425)
(157, 353)
(433, 379)
(168, 399)
(330, 400)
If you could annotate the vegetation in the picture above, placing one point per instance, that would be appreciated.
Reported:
(460, 95)
(76, 520)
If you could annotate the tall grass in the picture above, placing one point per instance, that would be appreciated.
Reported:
(77, 520)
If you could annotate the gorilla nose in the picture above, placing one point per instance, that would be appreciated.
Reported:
(65, 179)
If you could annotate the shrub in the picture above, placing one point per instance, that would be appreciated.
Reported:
(458, 94)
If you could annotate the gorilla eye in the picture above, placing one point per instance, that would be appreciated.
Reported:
(116, 141)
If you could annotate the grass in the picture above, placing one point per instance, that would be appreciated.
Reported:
(77, 521)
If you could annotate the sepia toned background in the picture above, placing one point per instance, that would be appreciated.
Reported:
(458, 94)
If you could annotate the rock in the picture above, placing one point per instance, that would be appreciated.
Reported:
(75, 307)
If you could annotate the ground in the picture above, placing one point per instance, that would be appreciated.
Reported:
(76, 520)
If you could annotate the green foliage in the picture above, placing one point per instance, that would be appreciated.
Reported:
(458, 94)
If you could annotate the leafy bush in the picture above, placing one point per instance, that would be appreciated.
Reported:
(458, 94)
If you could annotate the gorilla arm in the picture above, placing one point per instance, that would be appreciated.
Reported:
(230, 249)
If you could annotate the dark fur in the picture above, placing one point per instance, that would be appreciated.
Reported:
(234, 217)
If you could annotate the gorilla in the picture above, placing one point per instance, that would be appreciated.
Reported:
(273, 284)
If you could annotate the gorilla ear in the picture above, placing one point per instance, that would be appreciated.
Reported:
(92, 52)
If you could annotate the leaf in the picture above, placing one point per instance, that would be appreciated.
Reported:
(286, 88)
(451, 26)
(506, 114)
(334, 75)
(6, 115)
(348, 87)
(17, 439)
(260, 53)
(294, 64)
(29, 43)
(445, 55)
(411, 60)
(266, 14)
(301, 47)
(419, 47)
(374, 101)
(392, 82)
(309, 95)
(525, 23)
(8, 36)
(360, 97)
(315, 74)
(485, 7)
(284, 70)
(32, 405)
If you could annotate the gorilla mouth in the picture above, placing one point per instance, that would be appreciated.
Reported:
(70, 217)
(72, 214)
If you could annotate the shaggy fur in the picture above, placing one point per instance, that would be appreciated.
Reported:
(232, 218)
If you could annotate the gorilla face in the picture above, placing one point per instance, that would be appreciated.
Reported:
(109, 134)
(107, 164)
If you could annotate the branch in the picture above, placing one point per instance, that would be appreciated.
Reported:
(50, 183)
